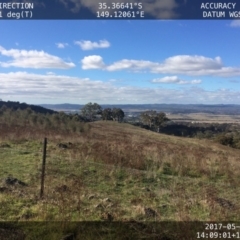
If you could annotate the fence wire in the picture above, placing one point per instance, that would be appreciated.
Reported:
(69, 178)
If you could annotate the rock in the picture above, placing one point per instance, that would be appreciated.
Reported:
(14, 181)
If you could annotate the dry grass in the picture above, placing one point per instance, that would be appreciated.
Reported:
(117, 172)
(205, 118)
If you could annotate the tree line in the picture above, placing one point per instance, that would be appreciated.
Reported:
(38, 117)
(226, 134)
(92, 111)
(57, 121)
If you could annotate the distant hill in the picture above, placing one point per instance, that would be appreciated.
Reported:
(63, 107)
(18, 105)
(228, 109)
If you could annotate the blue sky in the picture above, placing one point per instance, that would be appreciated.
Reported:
(120, 62)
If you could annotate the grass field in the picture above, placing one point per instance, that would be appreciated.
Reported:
(115, 172)
(205, 118)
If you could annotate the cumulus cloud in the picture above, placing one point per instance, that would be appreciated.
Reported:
(62, 45)
(176, 64)
(181, 64)
(134, 65)
(175, 79)
(235, 23)
(60, 88)
(88, 45)
(93, 62)
(33, 59)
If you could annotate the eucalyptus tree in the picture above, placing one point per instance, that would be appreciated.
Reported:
(91, 110)
(107, 114)
(154, 119)
(118, 114)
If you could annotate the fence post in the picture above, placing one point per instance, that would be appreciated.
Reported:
(43, 167)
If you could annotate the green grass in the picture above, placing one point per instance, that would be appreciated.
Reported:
(118, 169)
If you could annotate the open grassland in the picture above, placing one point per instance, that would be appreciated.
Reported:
(205, 118)
(115, 172)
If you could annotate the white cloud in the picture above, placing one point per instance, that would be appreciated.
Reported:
(167, 79)
(23, 86)
(181, 64)
(134, 65)
(174, 79)
(196, 81)
(62, 45)
(235, 23)
(33, 59)
(88, 45)
(92, 62)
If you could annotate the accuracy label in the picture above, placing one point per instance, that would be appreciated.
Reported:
(220, 10)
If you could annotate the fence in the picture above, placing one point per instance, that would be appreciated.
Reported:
(78, 188)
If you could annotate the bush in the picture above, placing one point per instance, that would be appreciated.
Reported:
(226, 140)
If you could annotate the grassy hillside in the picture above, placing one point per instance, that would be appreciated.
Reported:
(115, 172)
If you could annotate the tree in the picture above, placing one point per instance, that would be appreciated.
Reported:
(159, 120)
(118, 114)
(148, 117)
(107, 114)
(77, 118)
(154, 119)
(91, 110)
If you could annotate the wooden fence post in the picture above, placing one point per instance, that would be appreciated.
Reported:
(43, 167)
